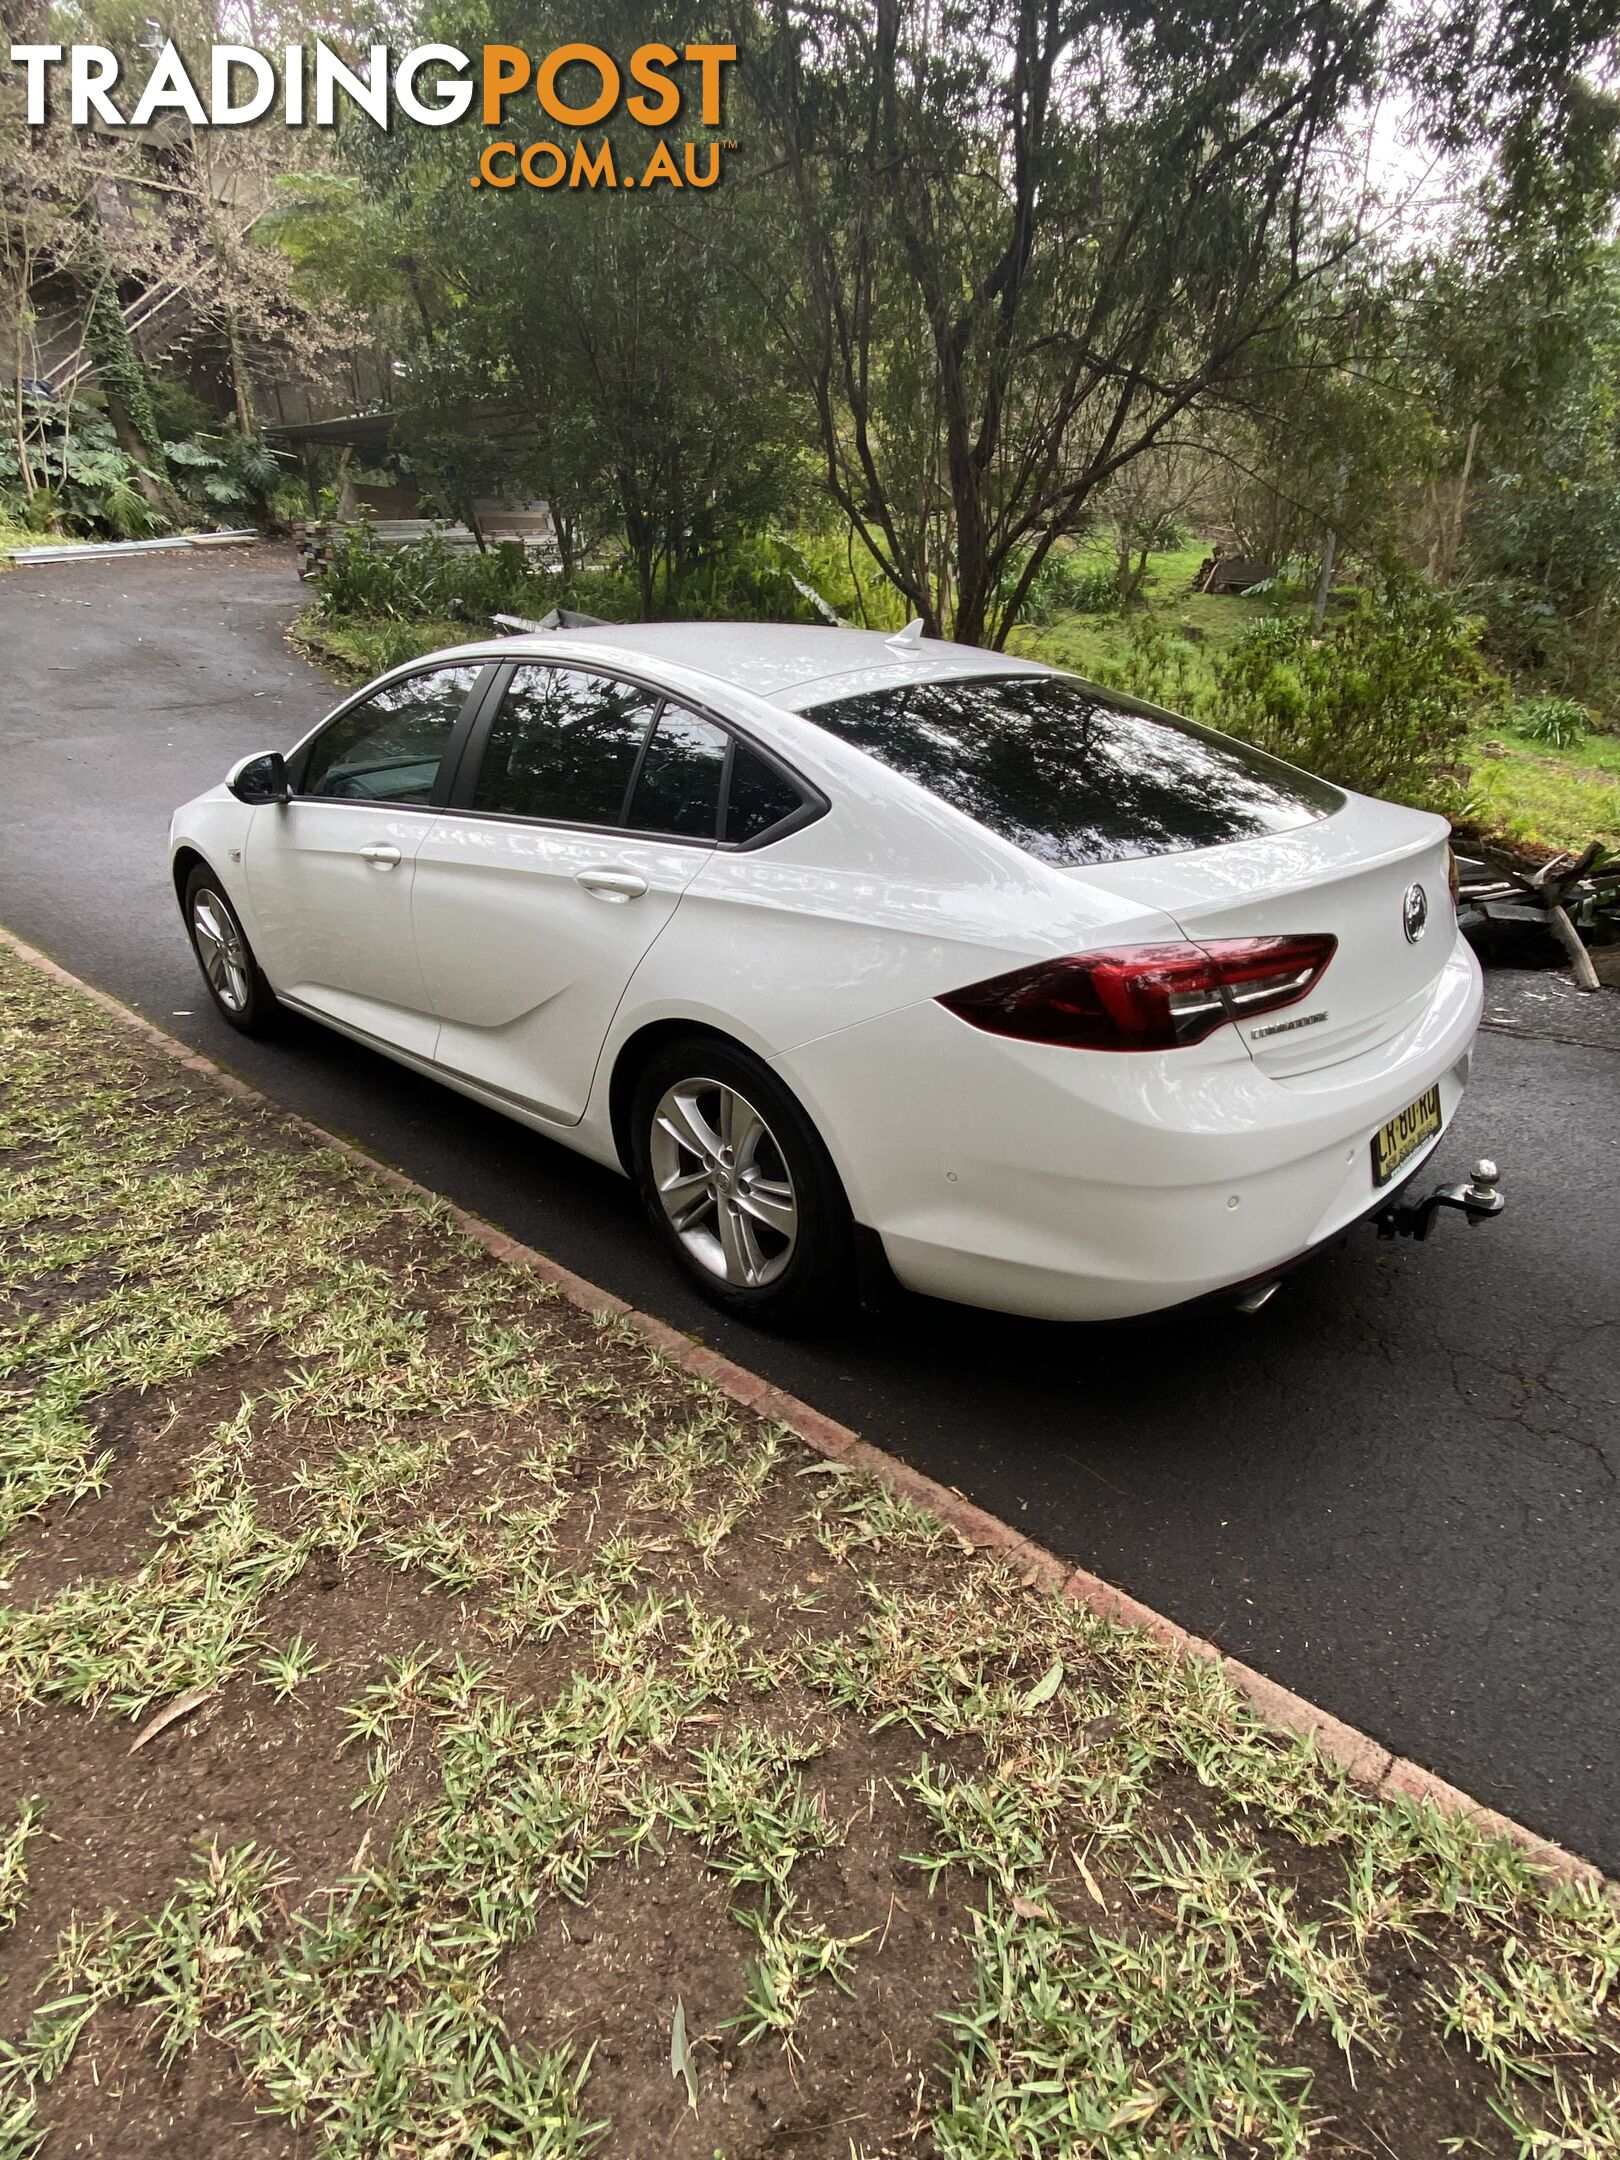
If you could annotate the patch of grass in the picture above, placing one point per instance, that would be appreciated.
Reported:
(659, 1642)
(14, 1845)
(355, 651)
(1208, 622)
(1544, 801)
(13, 536)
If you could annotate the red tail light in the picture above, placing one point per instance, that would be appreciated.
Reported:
(1146, 997)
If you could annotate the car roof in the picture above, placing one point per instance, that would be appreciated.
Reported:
(793, 665)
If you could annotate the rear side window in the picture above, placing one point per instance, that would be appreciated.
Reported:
(759, 796)
(564, 746)
(1071, 775)
(678, 787)
(388, 748)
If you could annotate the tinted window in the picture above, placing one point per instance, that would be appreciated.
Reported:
(759, 796)
(563, 746)
(1073, 776)
(678, 787)
(388, 747)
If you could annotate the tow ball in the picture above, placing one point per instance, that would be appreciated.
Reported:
(1477, 1201)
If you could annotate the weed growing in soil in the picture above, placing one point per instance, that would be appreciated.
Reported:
(14, 1860)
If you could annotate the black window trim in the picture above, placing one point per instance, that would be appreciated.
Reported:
(455, 749)
(813, 803)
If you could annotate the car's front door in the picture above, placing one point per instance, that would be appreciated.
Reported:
(330, 871)
(579, 822)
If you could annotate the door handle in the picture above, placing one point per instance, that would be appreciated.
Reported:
(381, 854)
(610, 884)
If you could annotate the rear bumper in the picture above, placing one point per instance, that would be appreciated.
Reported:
(1077, 1186)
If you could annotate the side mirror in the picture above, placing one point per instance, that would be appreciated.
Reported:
(261, 778)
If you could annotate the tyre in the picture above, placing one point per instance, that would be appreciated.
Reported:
(235, 980)
(736, 1181)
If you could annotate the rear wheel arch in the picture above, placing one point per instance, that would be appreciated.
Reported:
(631, 1062)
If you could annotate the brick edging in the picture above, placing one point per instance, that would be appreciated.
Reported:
(1365, 1759)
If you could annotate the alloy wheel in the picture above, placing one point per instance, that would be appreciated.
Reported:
(723, 1182)
(221, 950)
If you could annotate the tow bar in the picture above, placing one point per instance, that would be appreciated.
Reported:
(1478, 1201)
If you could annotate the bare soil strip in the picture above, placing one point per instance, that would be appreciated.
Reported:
(436, 1725)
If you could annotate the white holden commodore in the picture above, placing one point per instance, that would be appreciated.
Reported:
(848, 947)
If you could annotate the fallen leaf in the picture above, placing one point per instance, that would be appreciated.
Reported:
(170, 1714)
(1046, 1686)
(681, 2064)
(1027, 1909)
(1090, 1881)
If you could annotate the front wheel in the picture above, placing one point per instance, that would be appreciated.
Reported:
(236, 982)
(738, 1184)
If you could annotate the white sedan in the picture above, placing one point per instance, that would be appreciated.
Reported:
(851, 948)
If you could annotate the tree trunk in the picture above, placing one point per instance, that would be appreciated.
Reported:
(239, 386)
(20, 432)
(1330, 548)
(1453, 546)
(1324, 580)
(1136, 578)
(643, 548)
(158, 497)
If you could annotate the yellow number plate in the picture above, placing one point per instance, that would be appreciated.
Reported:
(1400, 1139)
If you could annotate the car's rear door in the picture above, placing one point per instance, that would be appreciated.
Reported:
(330, 871)
(585, 806)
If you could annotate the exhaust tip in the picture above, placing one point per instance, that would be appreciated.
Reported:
(1252, 1300)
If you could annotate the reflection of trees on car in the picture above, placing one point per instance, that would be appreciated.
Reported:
(387, 748)
(1074, 776)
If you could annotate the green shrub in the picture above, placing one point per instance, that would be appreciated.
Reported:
(366, 581)
(756, 577)
(1560, 722)
(224, 473)
(1091, 590)
(841, 573)
(1164, 670)
(84, 483)
(88, 484)
(1067, 583)
(752, 579)
(359, 650)
(1380, 702)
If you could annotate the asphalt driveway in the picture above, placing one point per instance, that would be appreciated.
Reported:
(1394, 1491)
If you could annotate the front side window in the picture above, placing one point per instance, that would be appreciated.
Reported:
(389, 747)
(1072, 775)
(564, 746)
(678, 787)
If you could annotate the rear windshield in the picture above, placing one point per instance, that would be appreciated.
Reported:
(1074, 776)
